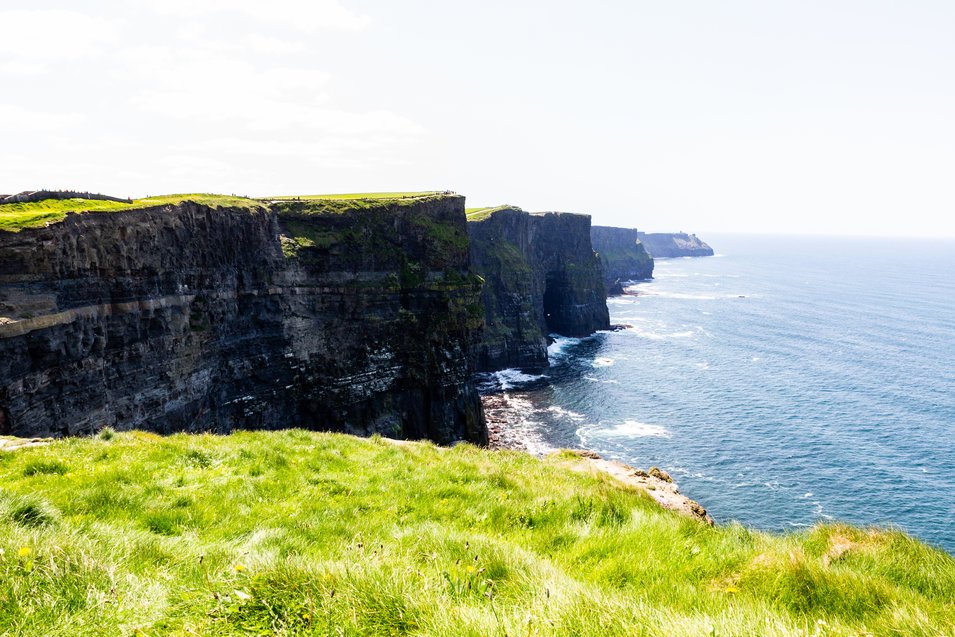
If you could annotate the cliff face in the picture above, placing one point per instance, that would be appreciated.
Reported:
(674, 244)
(623, 256)
(195, 318)
(541, 275)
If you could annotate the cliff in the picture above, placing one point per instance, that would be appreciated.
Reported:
(623, 256)
(674, 244)
(541, 276)
(354, 316)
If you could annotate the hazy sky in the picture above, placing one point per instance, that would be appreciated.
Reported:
(769, 116)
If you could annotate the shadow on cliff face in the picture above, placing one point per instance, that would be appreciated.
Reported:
(555, 291)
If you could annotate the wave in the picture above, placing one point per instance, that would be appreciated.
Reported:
(565, 413)
(633, 429)
(506, 379)
(602, 362)
(659, 336)
(559, 344)
(605, 381)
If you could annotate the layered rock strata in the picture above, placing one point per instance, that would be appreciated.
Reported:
(356, 317)
(623, 256)
(541, 276)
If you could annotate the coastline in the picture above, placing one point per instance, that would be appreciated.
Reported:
(655, 482)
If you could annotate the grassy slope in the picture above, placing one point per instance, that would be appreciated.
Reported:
(368, 195)
(16, 216)
(298, 533)
(480, 214)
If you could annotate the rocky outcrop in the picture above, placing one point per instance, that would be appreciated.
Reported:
(541, 276)
(623, 256)
(193, 318)
(663, 245)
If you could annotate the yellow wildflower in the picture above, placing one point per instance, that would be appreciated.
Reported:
(239, 567)
(25, 551)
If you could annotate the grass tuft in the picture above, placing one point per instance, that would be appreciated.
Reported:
(45, 467)
(303, 533)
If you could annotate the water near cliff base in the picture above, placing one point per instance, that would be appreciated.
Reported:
(784, 381)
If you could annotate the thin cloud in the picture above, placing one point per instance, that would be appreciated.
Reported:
(309, 16)
(31, 37)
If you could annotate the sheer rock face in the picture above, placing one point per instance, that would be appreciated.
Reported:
(190, 318)
(623, 256)
(541, 276)
(674, 244)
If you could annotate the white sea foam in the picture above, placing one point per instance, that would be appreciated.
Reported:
(565, 413)
(560, 344)
(634, 429)
(510, 379)
(658, 336)
(602, 362)
(605, 381)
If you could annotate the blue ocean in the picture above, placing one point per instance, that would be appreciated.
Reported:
(782, 382)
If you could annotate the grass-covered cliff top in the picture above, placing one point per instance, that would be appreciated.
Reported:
(298, 533)
(365, 195)
(16, 216)
(307, 205)
(480, 214)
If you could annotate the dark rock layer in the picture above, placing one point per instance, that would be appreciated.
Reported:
(623, 256)
(541, 276)
(190, 318)
(674, 244)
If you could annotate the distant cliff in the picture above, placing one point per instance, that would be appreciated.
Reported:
(541, 276)
(355, 316)
(674, 244)
(623, 256)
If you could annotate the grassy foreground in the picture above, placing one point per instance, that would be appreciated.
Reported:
(300, 533)
(16, 216)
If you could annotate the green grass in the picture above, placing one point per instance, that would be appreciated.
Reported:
(298, 533)
(16, 216)
(480, 214)
(362, 195)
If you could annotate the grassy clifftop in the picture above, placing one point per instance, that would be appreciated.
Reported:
(16, 216)
(299, 533)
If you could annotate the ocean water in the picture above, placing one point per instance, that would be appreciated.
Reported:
(782, 382)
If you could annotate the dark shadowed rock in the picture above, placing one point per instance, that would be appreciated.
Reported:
(623, 256)
(191, 318)
(541, 276)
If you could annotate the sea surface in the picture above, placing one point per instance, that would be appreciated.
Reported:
(782, 382)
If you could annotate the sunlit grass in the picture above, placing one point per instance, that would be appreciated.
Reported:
(300, 533)
(480, 214)
(364, 195)
(16, 216)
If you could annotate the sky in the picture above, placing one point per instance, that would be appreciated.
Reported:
(808, 117)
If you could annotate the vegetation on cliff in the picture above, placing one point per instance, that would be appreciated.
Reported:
(16, 216)
(480, 214)
(300, 533)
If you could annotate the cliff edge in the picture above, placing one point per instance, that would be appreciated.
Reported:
(355, 316)
(541, 276)
(623, 256)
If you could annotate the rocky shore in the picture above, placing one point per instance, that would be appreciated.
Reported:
(655, 482)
